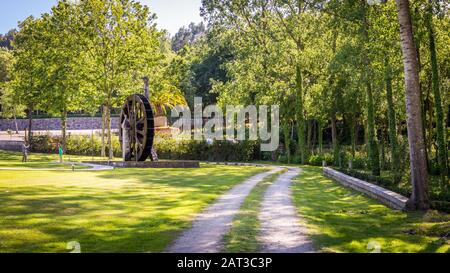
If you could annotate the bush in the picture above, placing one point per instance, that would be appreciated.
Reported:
(169, 148)
(75, 145)
(296, 159)
(283, 159)
(441, 206)
(165, 145)
(359, 162)
(315, 160)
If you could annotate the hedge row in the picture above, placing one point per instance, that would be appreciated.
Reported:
(166, 147)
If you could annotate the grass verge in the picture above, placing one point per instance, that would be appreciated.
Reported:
(342, 220)
(39, 161)
(122, 210)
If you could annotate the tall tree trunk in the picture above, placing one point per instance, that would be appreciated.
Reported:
(108, 127)
(428, 106)
(64, 128)
(104, 110)
(353, 135)
(393, 141)
(374, 157)
(419, 176)
(366, 138)
(30, 123)
(287, 142)
(15, 121)
(382, 153)
(334, 139)
(300, 116)
(440, 135)
(424, 119)
(314, 136)
(309, 131)
(320, 137)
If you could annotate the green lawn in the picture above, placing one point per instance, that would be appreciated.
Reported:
(39, 161)
(123, 210)
(342, 220)
(243, 236)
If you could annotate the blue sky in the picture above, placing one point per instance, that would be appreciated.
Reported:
(172, 14)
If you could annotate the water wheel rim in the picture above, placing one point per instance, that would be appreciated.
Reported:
(140, 113)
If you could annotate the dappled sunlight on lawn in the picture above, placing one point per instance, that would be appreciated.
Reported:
(342, 220)
(123, 210)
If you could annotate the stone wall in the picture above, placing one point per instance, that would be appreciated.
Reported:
(50, 124)
(387, 197)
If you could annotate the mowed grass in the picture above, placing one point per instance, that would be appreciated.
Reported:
(243, 236)
(39, 161)
(341, 220)
(123, 210)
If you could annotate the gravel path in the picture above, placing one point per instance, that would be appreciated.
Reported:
(209, 227)
(281, 228)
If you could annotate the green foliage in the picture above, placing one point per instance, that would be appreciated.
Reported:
(359, 162)
(88, 54)
(75, 145)
(342, 220)
(316, 160)
(166, 147)
(440, 198)
(132, 209)
(283, 159)
(6, 63)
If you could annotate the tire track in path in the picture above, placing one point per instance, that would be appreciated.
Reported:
(281, 229)
(209, 227)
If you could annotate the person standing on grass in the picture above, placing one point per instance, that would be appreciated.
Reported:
(25, 147)
(61, 153)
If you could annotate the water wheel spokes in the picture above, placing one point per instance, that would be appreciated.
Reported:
(137, 125)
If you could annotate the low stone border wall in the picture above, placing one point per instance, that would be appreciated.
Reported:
(387, 197)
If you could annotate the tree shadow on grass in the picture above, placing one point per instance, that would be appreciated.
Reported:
(143, 214)
(347, 221)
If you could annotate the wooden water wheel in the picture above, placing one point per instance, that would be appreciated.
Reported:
(137, 125)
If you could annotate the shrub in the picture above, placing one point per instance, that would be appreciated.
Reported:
(329, 159)
(296, 159)
(441, 206)
(165, 145)
(359, 162)
(315, 160)
(169, 148)
(75, 145)
(283, 159)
